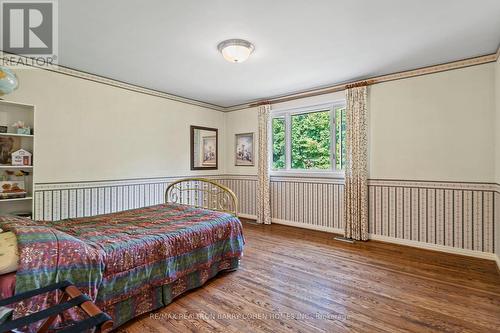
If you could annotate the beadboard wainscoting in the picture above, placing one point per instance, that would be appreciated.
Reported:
(314, 203)
(448, 216)
(245, 188)
(451, 215)
(58, 201)
(455, 217)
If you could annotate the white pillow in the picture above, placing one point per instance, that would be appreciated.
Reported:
(9, 256)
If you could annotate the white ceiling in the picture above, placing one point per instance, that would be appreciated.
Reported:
(171, 46)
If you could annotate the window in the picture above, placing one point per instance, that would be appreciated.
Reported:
(340, 134)
(309, 139)
(278, 143)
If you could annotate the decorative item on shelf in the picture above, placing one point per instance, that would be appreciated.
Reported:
(22, 173)
(244, 150)
(12, 189)
(3, 129)
(7, 146)
(21, 157)
(8, 81)
(22, 128)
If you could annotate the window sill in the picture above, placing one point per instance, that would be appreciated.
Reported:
(307, 174)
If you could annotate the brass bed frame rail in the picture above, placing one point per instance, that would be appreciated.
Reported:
(202, 193)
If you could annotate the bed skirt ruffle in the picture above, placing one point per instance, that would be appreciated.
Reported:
(157, 297)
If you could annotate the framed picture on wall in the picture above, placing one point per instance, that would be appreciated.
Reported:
(209, 151)
(204, 144)
(244, 150)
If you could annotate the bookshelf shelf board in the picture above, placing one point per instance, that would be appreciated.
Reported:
(16, 167)
(16, 199)
(17, 135)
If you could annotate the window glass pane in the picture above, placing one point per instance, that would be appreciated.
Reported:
(278, 129)
(311, 137)
(340, 135)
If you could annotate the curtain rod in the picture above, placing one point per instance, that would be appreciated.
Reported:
(333, 89)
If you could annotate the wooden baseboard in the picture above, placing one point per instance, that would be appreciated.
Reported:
(308, 226)
(297, 224)
(247, 216)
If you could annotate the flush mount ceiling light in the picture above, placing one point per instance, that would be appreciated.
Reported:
(235, 50)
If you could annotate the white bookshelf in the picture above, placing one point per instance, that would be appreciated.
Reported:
(11, 112)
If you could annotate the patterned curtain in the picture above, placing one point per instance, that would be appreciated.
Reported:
(263, 197)
(356, 170)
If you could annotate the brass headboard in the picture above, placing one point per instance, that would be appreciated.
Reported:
(204, 193)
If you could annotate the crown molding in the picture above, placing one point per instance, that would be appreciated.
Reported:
(278, 99)
(375, 80)
(107, 81)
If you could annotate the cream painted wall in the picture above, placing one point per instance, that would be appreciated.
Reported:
(90, 131)
(242, 121)
(434, 127)
(421, 128)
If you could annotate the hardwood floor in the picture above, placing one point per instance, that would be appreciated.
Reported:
(295, 280)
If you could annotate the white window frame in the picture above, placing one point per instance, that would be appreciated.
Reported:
(287, 115)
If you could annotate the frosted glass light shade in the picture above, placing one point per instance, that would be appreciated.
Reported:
(235, 50)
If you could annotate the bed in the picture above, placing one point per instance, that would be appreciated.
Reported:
(134, 261)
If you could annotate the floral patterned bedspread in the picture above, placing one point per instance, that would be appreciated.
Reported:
(116, 256)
